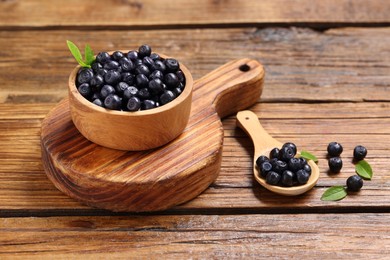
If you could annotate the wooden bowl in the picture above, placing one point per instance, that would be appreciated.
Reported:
(132, 131)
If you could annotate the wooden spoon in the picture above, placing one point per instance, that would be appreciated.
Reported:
(263, 144)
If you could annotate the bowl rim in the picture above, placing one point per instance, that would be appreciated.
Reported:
(183, 96)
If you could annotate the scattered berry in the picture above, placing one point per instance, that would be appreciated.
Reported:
(354, 183)
(359, 153)
(334, 149)
(335, 164)
(137, 80)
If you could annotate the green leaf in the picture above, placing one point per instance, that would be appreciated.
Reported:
(89, 56)
(76, 53)
(364, 170)
(334, 193)
(308, 156)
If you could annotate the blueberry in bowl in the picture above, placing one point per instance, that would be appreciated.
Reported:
(130, 100)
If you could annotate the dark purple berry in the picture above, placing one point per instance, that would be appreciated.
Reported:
(148, 104)
(335, 164)
(144, 50)
(101, 72)
(138, 62)
(144, 93)
(113, 102)
(167, 97)
(261, 159)
(155, 56)
(171, 80)
(130, 92)
(180, 76)
(126, 64)
(288, 178)
(149, 62)
(156, 86)
(294, 164)
(133, 104)
(111, 65)
(302, 176)
(132, 55)
(142, 69)
(141, 81)
(128, 78)
(334, 149)
(359, 153)
(103, 57)
(354, 183)
(273, 178)
(274, 153)
(117, 55)
(107, 90)
(286, 153)
(177, 91)
(120, 87)
(84, 75)
(156, 75)
(303, 161)
(159, 65)
(96, 66)
(85, 90)
(307, 168)
(280, 166)
(172, 65)
(98, 102)
(264, 168)
(291, 145)
(97, 80)
(112, 77)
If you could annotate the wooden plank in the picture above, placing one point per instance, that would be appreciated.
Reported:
(152, 13)
(350, 64)
(24, 185)
(199, 236)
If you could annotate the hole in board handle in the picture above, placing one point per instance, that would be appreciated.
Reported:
(244, 67)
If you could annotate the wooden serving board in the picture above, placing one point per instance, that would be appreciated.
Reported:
(154, 179)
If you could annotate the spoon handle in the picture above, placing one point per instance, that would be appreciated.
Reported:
(262, 141)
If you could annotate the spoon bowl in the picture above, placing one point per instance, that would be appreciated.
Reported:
(263, 144)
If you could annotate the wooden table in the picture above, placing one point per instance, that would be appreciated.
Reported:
(327, 79)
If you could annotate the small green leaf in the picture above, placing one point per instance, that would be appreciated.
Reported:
(76, 53)
(308, 156)
(89, 56)
(364, 170)
(334, 193)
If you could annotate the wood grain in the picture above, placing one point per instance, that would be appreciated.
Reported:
(302, 65)
(24, 186)
(199, 236)
(153, 179)
(176, 13)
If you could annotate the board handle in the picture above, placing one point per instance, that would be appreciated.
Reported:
(230, 88)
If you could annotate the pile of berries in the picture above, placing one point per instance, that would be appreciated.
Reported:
(282, 168)
(355, 182)
(137, 80)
